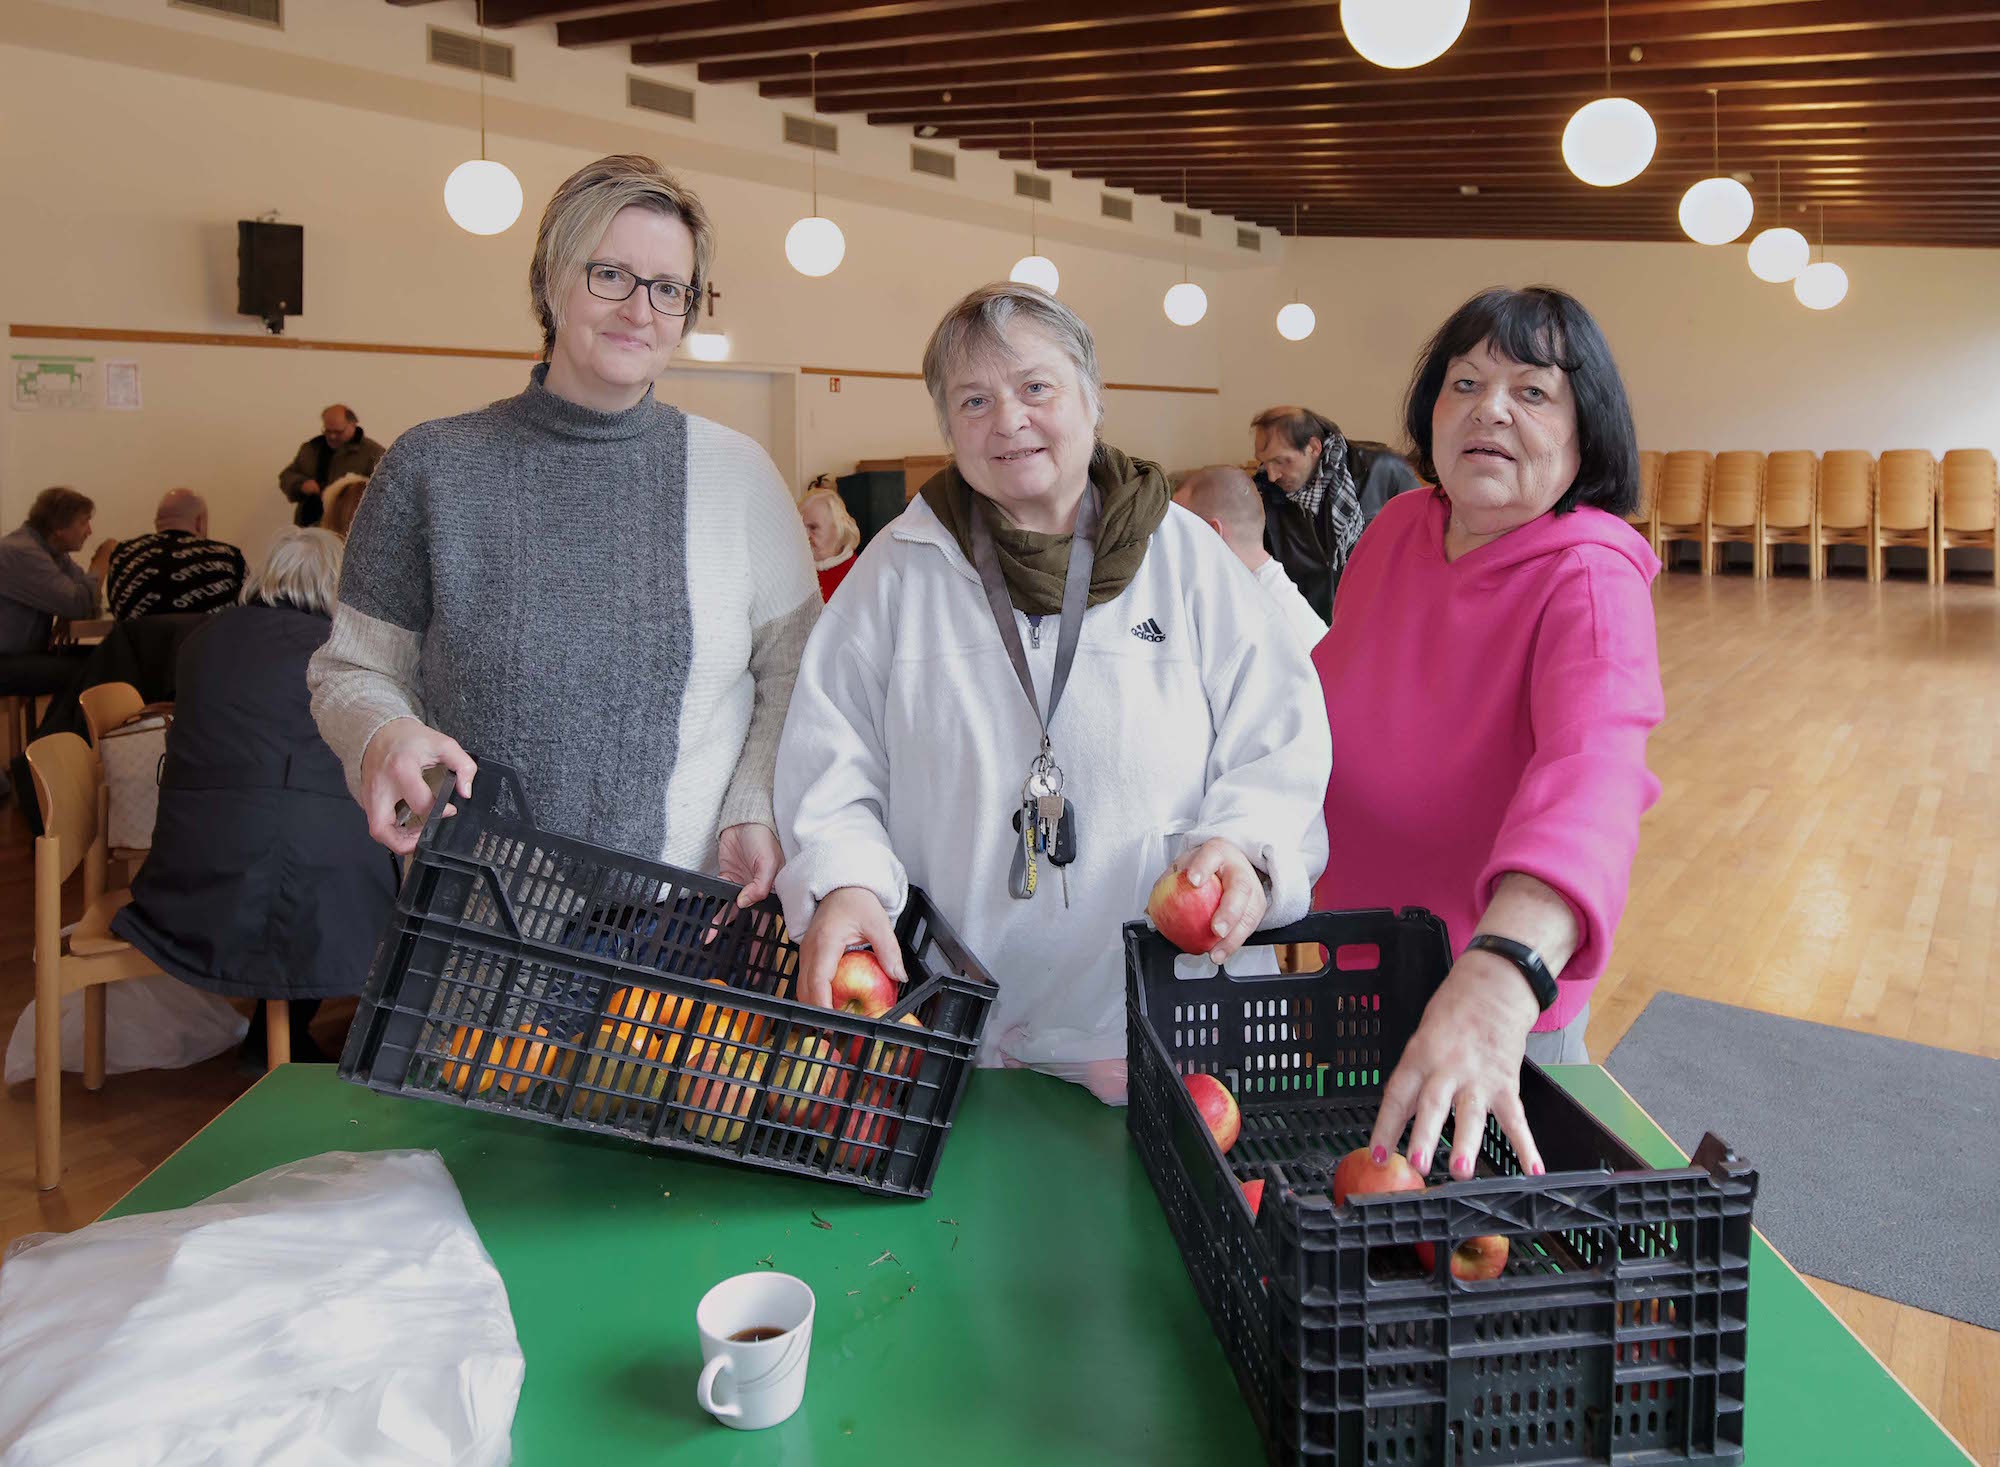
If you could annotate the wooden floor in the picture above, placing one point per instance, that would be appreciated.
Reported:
(1826, 846)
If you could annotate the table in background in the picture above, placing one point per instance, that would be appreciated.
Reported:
(1035, 1309)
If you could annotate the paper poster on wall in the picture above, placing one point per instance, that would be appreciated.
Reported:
(121, 387)
(53, 384)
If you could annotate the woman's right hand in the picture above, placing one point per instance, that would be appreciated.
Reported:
(847, 916)
(392, 769)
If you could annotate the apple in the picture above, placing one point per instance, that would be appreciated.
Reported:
(808, 1067)
(1217, 1107)
(700, 1095)
(868, 1133)
(862, 986)
(1475, 1260)
(1253, 1193)
(1184, 912)
(1360, 1175)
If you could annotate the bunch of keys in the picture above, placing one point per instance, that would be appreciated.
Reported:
(1046, 823)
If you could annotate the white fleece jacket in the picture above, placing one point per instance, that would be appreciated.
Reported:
(1190, 713)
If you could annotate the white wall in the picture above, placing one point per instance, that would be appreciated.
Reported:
(133, 135)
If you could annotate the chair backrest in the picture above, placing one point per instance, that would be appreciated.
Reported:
(1684, 481)
(1846, 488)
(1968, 490)
(1906, 489)
(1791, 477)
(1739, 485)
(67, 775)
(107, 705)
(1650, 460)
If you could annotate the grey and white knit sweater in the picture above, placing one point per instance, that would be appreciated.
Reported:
(613, 603)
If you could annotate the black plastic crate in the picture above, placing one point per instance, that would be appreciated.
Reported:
(1617, 1331)
(544, 977)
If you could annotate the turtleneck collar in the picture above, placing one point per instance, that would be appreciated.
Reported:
(572, 420)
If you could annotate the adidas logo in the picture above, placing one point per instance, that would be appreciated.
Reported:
(1149, 631)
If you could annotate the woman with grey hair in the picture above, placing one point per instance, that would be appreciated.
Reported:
(1043, 620)
(261, 881)
(583, 582)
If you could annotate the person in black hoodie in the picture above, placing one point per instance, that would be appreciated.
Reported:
(1320, 490)
(341, 448)
(262, 881)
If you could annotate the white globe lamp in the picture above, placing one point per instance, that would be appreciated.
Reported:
(1400, 34)
(1779, 254)
(1821, 287)
(1716, 211)
(1036, 270)
(815, 246)
(1185, 303)
(1609, 141)
(1296, 321)
(482, 197)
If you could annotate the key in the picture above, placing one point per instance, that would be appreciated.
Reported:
(1048, 816)
(1062, 847)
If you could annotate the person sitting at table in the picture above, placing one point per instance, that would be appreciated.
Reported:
(1491, 677)
(598, 589)
(262, 881)
(39, 582)
(1186, 734)
(1226, 499)
(832, 535)
(177, 567)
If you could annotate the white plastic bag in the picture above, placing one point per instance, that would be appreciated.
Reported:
(336, 1310)
(155, 1022)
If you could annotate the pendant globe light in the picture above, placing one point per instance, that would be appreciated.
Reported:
(1609, 141)
(1823, 286)
(1716, 210)
(815, 246)
(1296, 321)
(1035, 268)
(1400, 34)
(1185, 303)
(481, 196)
(1779, 253)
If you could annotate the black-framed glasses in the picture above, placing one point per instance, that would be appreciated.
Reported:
(670, 297)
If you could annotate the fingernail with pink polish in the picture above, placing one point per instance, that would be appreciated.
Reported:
(1379, 1155)
(1536, 1170)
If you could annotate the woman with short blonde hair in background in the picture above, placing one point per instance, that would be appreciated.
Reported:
(832, 535)
(583, 582)
(343, 502)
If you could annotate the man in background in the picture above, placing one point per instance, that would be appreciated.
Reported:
(177, 567)
(1227, 499)
(1320, 490)
(341, 448)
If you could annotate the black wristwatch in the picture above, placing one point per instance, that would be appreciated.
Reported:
(1523, 957)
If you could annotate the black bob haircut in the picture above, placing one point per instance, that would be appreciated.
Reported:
(1541, 327)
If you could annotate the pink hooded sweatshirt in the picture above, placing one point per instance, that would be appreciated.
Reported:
(1489, 715)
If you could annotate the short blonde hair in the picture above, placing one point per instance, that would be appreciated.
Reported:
(979, 323)
(583, 208)
(302, 569)
(343, 501)
(843, 522)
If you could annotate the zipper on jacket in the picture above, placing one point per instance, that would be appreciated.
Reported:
(1035, 632)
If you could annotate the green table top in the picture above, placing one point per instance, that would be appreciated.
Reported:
(1035, 1309)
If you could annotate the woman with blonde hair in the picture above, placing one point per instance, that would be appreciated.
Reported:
(831, 534)
(521, 580)
(343, 502)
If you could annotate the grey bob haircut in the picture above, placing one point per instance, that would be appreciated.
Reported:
(978, 325)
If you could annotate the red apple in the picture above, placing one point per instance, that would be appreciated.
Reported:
(1475, 1260)
(1217, 1107)
(862, 986)
(1184, 912)
(1360, 1175)
(880, 1084)
(808, 1083)
(1253, 1193)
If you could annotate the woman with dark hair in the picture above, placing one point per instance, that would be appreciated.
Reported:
(1491, 676)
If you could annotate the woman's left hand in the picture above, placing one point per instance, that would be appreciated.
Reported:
(749, 854)
(1243, 899)
(1464, 1060)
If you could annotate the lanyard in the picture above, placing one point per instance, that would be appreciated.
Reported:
(1076, 598)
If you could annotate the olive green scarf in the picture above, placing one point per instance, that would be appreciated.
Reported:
(1133, 497)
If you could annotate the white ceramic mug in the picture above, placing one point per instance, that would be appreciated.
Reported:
(750, 1384)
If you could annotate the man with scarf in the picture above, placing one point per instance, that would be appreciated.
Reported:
(341, 448)
(1320, 491)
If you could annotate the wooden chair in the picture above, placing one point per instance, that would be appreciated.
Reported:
(108, 705)
(1845, 512)
(1735, 506)
(1791, 502)
(1646, 518)
(1906, 489)
(17, 721)
(1968, 505)
(1685, 477)
(69, 785)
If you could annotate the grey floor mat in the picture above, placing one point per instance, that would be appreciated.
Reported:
(1878, 1159)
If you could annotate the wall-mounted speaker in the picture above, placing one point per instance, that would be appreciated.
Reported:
(270, 271)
